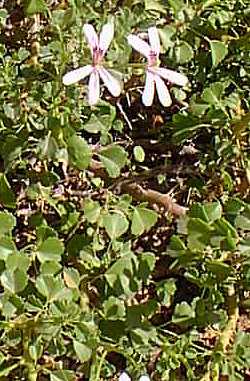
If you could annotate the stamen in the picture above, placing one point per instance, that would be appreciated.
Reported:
(97, 56)
(152, 58)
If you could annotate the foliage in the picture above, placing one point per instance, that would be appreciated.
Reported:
(96, 277)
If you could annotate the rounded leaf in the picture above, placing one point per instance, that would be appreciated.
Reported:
(115, 225)
(7, 223)
(83, 352)
(50, 250)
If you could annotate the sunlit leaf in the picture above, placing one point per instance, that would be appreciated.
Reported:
(114, 308)
(7, 223)
(92, 210)
(218, 50)
(115, 225)
(113, 159)
(14, 281)
(154, 5)
(50, 250)
(71, 277)
(83, 352)
(79, 152)
(35, 6)
(143, 219)
(139, 154)
(183, 313)
(51, 287)
(7, 196)
(184, 52)
(166, 35)
(62, 375)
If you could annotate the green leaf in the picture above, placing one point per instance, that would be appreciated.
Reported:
(166, 290)
(213, 94)
(185, 126)
(35, 6)
(139, 154)
(7, 196)
(51, 287)
(83, 352)
(244, 247)
(94, 125)
(143, 335)
(113, 159)
(114, 308)
(16, 261)
(176, 244)
(7, 223)
(221, 270)
(219, 51)
(92, 210)
(184, 52)
(197, 210)
(43, 232)
(143, 219)
(198, 234)
(7, 247)
(213, 210)
(47, 147)
(113, 329)
(224, 228)
(79, 152)
(14, 281)
(121, 276)
(6, 371)
(166, 35)
(146, 265)
(62, 375)
(154, 5)
(71, 277)
(50, 250)
(177, 5)
(243, 220)
(50, 267)
(115, 225)
(183, 313)
(3, 16)
(36, 349)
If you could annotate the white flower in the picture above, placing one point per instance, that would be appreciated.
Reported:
(98, 47)
(125, 377)
(144, 378)
(154, 73)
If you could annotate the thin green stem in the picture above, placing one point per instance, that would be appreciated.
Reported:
(102, 359)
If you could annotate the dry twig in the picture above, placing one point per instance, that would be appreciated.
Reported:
(137, 192)
(153, 197)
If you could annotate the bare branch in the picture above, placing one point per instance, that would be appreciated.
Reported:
(153, 197)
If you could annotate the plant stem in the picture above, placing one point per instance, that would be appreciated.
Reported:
(96, 368)
(98, 372)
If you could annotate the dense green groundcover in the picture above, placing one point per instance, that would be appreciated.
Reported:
(102, 269)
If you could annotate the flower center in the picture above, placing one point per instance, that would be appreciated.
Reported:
(97, 56)
(153, 58)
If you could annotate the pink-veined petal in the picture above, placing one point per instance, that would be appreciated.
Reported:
(76, 75)
(124, 377)
(106, 36)
(162, 91)
(91, 36)
(154, 39)
(172, 76)
(94, 87)
(138, 44)
(112, 84)
(149, 89)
